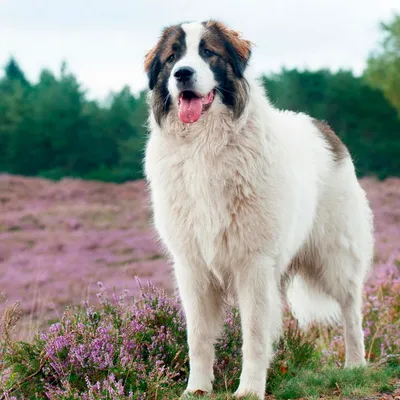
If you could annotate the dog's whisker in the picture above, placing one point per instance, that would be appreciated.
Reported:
(219, 89)
(166, 99)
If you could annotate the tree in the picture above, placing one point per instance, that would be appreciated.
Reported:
(14, 90)
(383, 70)
(14, 73)
(128, 114)
(50, 128)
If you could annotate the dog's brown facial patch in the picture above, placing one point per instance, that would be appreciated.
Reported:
(158, 64)
(241, 46)
(227, 54)
(338, 149)
(170, 44)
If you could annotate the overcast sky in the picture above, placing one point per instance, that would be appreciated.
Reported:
(104, 41)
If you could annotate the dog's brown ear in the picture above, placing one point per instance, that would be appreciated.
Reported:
(152, 66)
(152, 63)
(241, 46)
(150, 56)
(239, 49)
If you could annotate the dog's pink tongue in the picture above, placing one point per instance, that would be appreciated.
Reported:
(190, 109)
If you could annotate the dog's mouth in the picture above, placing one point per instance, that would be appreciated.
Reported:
(191, 105)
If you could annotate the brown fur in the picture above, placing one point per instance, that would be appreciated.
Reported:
(233, 53)
(163, 47)
(159, 68)
(337, 147)
(213, 39)
(242, 46)
(241, 97)
(307, 264)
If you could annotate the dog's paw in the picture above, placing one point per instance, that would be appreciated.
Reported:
(248, 394)
(355, 363)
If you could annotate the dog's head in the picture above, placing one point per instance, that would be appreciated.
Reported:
(196, 68)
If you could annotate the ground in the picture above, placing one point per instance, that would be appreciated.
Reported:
(59, 239)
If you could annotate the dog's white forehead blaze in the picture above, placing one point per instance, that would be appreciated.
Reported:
(204, 80)
(194, 31)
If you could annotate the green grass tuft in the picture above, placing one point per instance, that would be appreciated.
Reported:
(354, 383)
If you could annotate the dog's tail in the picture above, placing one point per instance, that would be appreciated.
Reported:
(310, 304)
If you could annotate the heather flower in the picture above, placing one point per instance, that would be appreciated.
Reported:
(119, 350)
(128, 348)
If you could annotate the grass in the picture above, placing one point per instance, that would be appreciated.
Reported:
(334, 382)
(327, 383)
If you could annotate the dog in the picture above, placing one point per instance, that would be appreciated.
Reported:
(249, 200)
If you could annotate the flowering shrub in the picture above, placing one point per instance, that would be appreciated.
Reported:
(122, 350)
(137, 349)
(116, 350)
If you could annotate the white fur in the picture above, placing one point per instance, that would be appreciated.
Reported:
(234, 201)
(310, 303)
(204, 78)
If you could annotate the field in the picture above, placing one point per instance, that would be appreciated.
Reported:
(59, 239)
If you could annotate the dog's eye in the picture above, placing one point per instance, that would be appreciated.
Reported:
(171, 58)
(207, 53)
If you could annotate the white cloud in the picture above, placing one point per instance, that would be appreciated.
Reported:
(104, 41)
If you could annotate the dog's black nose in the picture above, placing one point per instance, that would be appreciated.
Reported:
(183, 74)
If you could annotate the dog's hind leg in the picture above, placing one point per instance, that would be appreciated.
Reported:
(329, 286)
(344, 281)
(353, 334)
(347, 251)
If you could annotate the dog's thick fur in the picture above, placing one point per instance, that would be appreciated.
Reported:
(249, 200)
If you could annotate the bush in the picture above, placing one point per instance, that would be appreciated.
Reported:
(137, 350)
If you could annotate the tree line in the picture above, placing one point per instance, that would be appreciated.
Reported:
(51, 129)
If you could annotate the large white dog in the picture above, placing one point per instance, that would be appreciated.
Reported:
(248, 200)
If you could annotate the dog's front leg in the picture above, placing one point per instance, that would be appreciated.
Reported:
(202, 303)
(260, 312)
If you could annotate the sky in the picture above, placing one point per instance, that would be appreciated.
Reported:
(104, 41)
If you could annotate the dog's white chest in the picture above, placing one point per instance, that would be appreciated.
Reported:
(189, 207)
(207, 225)
(205, 209)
